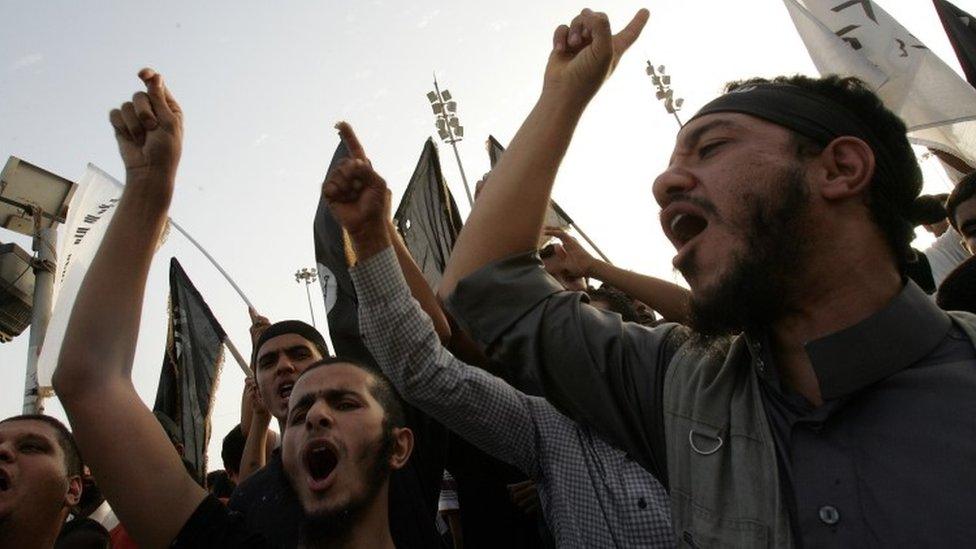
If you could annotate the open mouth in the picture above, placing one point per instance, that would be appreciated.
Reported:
(686, 226)
(321, 460)
(284, 390)
(4, 481)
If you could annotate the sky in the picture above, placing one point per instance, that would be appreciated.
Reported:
(262, 85)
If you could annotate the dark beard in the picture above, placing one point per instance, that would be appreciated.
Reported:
(332, 528)
(755, 291)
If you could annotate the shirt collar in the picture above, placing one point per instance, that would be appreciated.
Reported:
(890, 340)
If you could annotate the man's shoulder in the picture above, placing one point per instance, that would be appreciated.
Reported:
(266, 484)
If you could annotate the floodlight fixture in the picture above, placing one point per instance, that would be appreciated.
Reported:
(663, 91)
(28, 192)
(431, 96)
(446, 95)
(16, 291)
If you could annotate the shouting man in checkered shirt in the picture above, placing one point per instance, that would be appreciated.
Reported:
(592, 494)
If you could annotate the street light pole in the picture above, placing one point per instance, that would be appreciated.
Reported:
(308, 276)
(449, 127)
(44, 265)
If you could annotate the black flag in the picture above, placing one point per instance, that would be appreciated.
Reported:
(191, 366)
(555, 216)
(961, 28)
(332, 254)
(428, 217)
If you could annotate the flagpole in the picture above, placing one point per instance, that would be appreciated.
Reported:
(237, 356)
(176, 226)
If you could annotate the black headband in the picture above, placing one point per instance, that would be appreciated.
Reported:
(807, 113)
(291, 327)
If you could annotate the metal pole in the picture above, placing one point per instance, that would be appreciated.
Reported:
(590, 242)
(308, 293)
(452, 141)
(237, 356)
(213, 261)
(45, 241)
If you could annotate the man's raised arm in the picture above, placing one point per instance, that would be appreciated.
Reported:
(510, 212)
(135, 464)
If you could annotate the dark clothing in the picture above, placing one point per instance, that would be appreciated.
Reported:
(214, 525)
(886, 461)
(489, 518)
(271, 507)
(268, 505)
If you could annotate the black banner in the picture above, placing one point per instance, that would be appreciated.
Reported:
(191, 366)
(428, 217)
(961, 29)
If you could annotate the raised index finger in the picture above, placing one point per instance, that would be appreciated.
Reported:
(629, 34)
(348, 136)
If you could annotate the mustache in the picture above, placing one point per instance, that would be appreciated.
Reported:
(701, 203)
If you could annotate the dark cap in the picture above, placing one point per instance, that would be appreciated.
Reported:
(291, 327)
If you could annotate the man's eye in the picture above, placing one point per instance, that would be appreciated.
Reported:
(31, 448)
(347, 405)
(709, 148)
(298, 418)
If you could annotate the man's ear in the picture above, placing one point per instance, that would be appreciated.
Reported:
(846, 169)
(73, 495)
(402, 447)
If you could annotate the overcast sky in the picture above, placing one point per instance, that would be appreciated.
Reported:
(263, 83)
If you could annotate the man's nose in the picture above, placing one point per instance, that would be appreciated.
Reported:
(672, 182)
(284, 365)
(319, 416)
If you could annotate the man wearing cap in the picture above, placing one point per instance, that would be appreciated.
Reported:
(820, 398)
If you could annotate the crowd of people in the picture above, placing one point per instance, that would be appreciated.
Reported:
(814, 387)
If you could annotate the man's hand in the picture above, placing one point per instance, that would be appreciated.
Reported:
(525, 496)
(579, 262)
(259, 323)
(259, 412)
(149, 130)
(584, 53)
(359, 198)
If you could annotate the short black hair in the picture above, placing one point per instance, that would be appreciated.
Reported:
(964, 190)
(232, 449)
(219, 484)
(891, 201)
(72, 456)
(83, 532)
(930, 209)
(619, 302)
(394, 414)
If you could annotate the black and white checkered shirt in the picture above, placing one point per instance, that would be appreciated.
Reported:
(592, 494)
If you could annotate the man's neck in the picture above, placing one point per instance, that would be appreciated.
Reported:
(18, 532)
(833, 299)
(372, 530)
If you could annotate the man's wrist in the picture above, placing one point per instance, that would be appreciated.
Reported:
(565, 100)
(597, 270)
(370, 241)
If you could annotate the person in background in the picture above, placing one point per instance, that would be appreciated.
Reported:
(83, 533)
(40, 480)
(961, 210)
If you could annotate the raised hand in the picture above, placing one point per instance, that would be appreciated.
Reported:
(259, 323)
(149, 130)
(585, 53)
(356, 194)
(579, 262)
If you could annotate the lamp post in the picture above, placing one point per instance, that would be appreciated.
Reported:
(308, 276)
(449, 127)
(662, 81)
(32, 202)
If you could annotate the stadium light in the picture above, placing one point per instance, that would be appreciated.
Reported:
(448, 125)
(308, 276)
(662, 82)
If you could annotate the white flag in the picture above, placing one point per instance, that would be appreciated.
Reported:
(89, 214)
(857, 38)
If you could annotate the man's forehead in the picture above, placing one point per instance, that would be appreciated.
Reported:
(20, 427)
(282, 342)
(337, 377)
